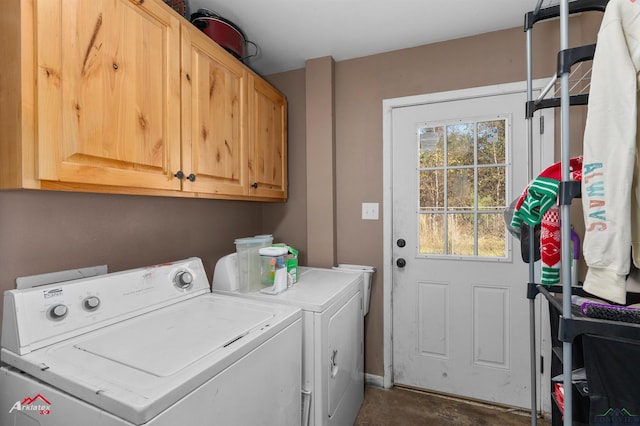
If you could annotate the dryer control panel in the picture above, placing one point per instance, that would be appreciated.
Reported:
(39, 316)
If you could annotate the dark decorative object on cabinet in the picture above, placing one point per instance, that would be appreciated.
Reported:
(224, 32)
(180, 6)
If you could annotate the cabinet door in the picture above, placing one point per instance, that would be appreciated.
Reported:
(268, 157)
(214, 124)
(108, 93)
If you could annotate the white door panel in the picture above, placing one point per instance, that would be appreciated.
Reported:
(460, 319)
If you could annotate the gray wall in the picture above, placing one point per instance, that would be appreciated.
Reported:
(43, 231)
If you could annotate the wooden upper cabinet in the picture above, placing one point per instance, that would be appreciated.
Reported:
(123, 95)
(108, 93)
(214, 123)
(268, 156)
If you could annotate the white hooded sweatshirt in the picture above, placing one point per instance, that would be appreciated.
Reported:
(610, 192)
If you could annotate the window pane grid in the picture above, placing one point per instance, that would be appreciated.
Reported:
(462, 185)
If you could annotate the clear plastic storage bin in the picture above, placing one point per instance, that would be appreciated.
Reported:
(249, 261)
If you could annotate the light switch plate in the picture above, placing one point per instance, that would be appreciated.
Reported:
(369, 211)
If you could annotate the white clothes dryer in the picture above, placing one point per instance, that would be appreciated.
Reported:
(332, 339)
(148, 346)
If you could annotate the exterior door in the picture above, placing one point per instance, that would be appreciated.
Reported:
(460, 312)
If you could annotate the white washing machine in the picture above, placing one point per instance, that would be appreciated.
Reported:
(148, 346)
(332, 336)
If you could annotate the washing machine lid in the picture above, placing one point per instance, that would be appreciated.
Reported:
(162, 345)
(138, 368)
(319, 288)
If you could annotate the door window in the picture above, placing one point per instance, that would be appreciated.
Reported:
(462, 170)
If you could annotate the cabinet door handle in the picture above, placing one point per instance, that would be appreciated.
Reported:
(191, 177)
(254, 185)
(179, 174)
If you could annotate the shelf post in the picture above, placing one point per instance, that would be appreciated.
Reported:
(565, 224)
(532, 311)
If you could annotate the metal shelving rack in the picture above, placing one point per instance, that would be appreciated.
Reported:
(569, 190)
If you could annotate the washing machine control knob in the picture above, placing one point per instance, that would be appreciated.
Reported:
(91, 303)
(57, 312)
(183, 280)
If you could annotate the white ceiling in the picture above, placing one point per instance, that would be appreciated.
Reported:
(289, 32)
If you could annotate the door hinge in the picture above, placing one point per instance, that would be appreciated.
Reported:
(542, 125)
(541, 364)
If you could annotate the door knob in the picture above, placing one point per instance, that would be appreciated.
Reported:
(401, 242)
(401, 263)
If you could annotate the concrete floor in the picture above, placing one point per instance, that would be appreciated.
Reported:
(403, 407)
